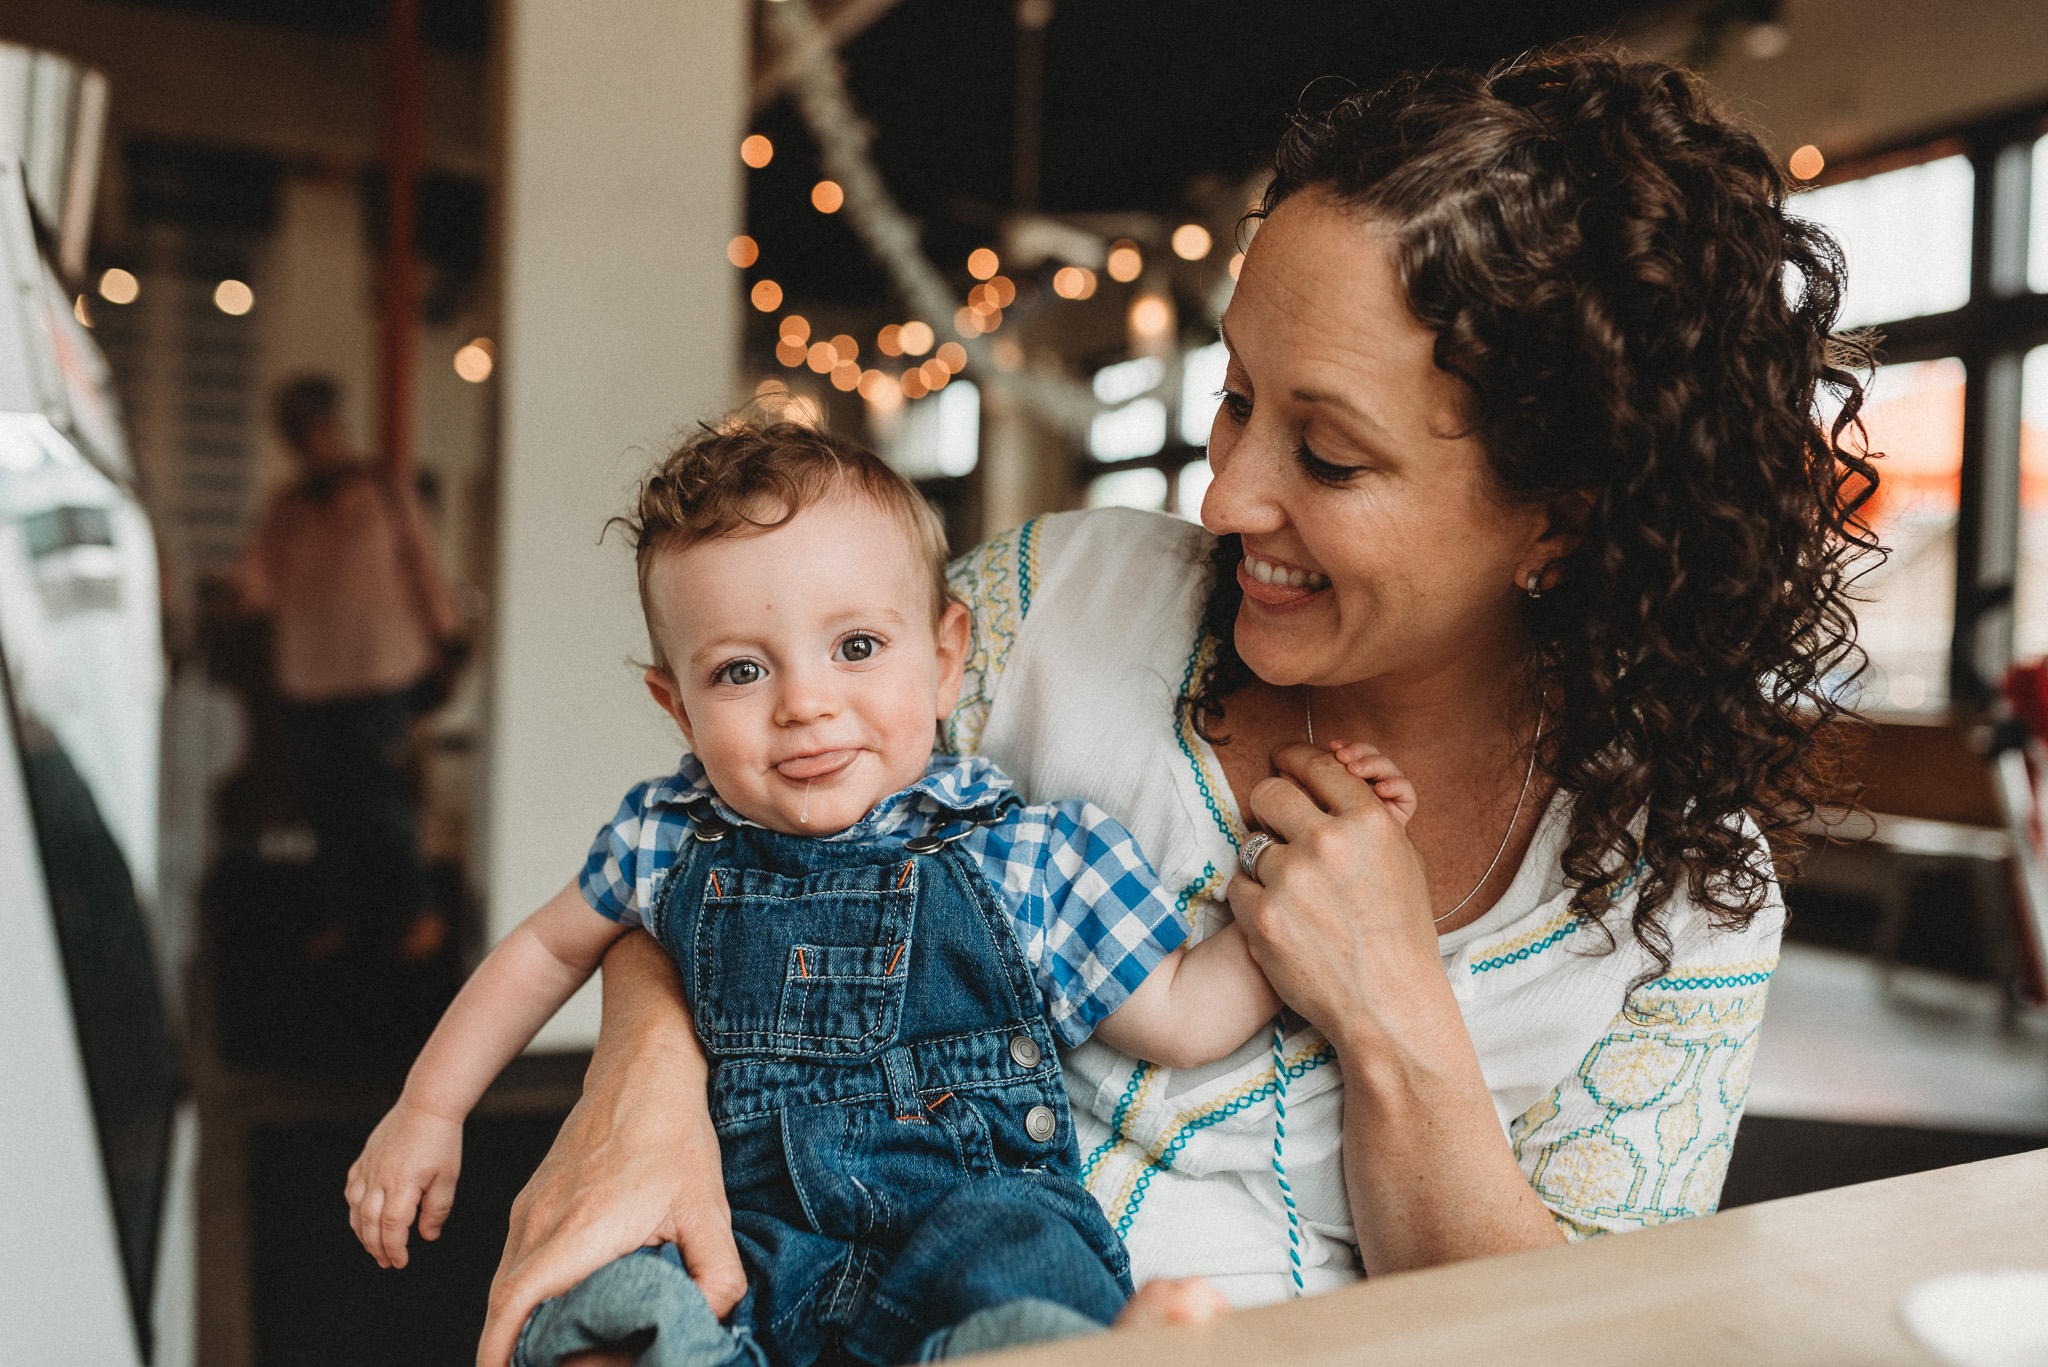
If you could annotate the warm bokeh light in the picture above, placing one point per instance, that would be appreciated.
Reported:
(794, 328)
(823, 357)
(774, 386)
(1002, 291)
(790, 352)
(967, 322)
(475, 360)
(952, 356)
(986, 318)
(119, 287)
(1009, 357)
(912, 384)
(917, 338)
(1073, 282)
(803, 410)
(767, 295)
(890, 340)
(756, 151)
(1126, 262)
(936, 376)
(982, 263)
(81, 312)
(743, 251)
(826, 196)
(845, 348)
(1151, 318)
(1236, 264)
(1807, 162)
(233, 298)
(881, 390)
(845, 376)
(1191, 242)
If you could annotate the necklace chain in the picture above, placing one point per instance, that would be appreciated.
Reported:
(1308, 707)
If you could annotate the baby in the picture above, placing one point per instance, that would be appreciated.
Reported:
(881, 948)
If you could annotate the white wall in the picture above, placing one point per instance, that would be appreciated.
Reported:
(620, 317)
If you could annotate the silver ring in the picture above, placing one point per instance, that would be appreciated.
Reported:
(1249, 852)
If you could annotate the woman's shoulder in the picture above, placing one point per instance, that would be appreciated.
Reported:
(1112, 580)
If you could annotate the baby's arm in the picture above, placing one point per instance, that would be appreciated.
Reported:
(1205, 1000)
(415, 1153)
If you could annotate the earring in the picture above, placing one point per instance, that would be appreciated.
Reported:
(1534, 588)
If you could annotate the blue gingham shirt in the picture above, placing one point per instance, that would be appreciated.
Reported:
(1088, 911)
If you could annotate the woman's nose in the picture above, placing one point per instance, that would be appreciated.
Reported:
(1244, 493)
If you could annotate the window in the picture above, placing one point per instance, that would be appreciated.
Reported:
(1907, 236)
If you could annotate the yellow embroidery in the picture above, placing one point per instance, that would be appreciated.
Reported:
(995, 581)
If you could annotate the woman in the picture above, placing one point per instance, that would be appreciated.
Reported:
(1516, 478)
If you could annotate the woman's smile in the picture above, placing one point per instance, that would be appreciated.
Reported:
(1274, 583)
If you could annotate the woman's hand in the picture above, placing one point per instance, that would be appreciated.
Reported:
(1340, 915)
(636, 1163)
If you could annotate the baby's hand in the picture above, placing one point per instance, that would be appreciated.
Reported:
(1375, 768)
(410, 1164)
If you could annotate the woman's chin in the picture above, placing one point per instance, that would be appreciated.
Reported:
(1281, 654)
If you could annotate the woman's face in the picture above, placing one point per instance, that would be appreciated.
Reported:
(1375, 547)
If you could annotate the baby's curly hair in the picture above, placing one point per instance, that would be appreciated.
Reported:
(746, 476)
(1609, 266)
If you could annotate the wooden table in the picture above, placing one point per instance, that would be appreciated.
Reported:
(1813, 1280)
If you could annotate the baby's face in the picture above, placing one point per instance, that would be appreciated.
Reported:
(804, 666)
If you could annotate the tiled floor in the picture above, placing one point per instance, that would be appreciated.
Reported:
(1837, 1046)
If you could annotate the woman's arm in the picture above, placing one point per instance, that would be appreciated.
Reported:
(636, 1162)
(1340, 922)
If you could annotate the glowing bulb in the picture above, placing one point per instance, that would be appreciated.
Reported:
(952, 356)
(982, 263)
(822, 357)
(967, 323)
(917, 338)
(1126, 262)
(936, 376)
(881, 391)
(890, 340)
(845, 348)
(1073, 282)
(1191, 242)
(756, 151)
(1807, 162)
(1151, 318)
(912, 384)
(1002, 291)
(845, 376)
(475, 360)
(767, 295)
(233, 298)
(790, 352)
(119, 287)
(826, 196)
(794, 328)
(1236, 264)
(743, 251)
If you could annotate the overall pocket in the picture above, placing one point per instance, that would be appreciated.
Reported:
(809, 967)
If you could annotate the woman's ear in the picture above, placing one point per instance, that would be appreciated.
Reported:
(956, 629)
(1565, 528)
(662, 684)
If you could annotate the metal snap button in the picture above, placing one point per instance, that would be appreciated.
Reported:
(713, 828)
(1025, 1051)
(922, 844)
(1039, 1123)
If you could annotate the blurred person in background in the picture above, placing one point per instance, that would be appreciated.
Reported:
(364, 637)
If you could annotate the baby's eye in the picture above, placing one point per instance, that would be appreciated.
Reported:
(739, 672)
(856, 649)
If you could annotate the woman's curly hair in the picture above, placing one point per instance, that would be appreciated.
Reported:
(1609, 266)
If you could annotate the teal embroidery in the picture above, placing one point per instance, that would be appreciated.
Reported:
(1024, 536)
(1181, 733)
(1693, 984)
(1116, 1123)
(1503, 960)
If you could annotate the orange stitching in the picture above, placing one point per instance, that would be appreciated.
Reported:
(895, 960)
(917, 1118)
(906, 873)
(802, 969)
(934, 1105)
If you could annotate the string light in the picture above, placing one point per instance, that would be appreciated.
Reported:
(823, 357)
(756, 151)
(936, 376)
(743, 251)
(917, 338)
(952, 356)
(767, 295)
(1073, 282)
(881, 391)
(826, 196)
(119, 287)
(912, 383)
(1126, 262)
(982, 263)
(233, 298)
(1151, 318)
(845, 376)
(890, 340)
(845, 348)
(1807, 162)
(790, 352)
(1191, 242)
(794, 328)
(476, 359)
(1002, 291)
(967, 322)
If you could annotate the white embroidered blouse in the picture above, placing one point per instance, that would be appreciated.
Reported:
(1086, 630)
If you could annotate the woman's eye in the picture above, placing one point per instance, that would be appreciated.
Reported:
(1320, 470)
(1239, 406)
(856, 649)
(740, 672)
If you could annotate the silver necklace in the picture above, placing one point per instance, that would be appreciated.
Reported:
(1308, 707)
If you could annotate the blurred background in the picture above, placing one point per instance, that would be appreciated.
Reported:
(444, 275)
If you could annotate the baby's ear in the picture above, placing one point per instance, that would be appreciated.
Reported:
(956, 632)
(662, 684)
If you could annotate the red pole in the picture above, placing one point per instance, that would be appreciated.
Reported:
(404, 147)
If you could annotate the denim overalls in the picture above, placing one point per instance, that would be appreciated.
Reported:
(891, 1119)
